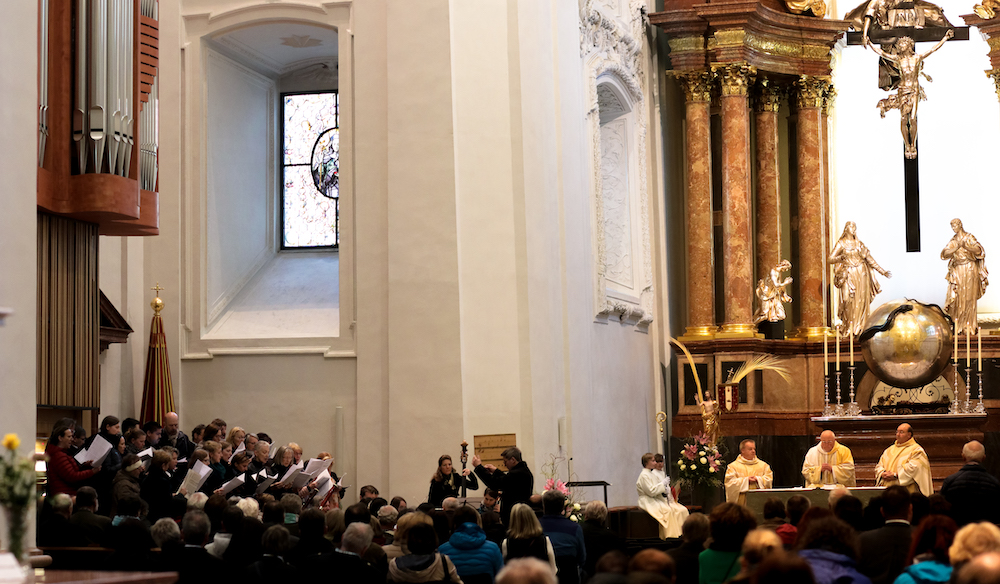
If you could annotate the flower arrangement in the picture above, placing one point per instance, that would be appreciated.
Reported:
(573, 510)
(17, 489)
(700, 463)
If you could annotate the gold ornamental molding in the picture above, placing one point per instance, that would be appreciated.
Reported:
(994, 74)
(736, 78)
(686, 44)
(810, 91)
(829, 97)
(769, 94)
(733, 37)
(994, 44)
(777, 48)
(697, 85)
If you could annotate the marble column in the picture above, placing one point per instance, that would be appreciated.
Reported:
(737, 245)
(697, 86)
(768, 203)
(812, 202)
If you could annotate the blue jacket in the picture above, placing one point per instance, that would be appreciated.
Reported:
(566, 536)
(925, 573)
(471, 552)
(830, 567)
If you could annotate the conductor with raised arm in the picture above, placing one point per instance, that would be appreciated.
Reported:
(515, 485)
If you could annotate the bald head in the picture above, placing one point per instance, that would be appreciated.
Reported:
(983, 569)
(903, 433)
(974, 452)
(171, 423)
(827, 440)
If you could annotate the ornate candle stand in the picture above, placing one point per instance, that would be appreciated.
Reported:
(967, 409)
(839, 409)
(980, 408)
(954, 408)
(853, 409)
(828, 410)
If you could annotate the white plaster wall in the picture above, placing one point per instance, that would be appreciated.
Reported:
(240, 110)
(18, 272)
(121, 278)
(485, 199)
(957, 126)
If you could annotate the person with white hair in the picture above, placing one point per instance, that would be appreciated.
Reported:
(974, 493)
(829, 463)
(526, 571)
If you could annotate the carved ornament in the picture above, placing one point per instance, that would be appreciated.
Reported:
(686, 44)
(729, 37)
(993, 43)
(809, 91)
(769, 94)
(995, 76)
(829, 97)
(697, 85)
(736, 78)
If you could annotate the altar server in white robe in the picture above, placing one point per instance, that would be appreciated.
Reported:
(829, 463)
(747, 473)
(656, 499)
(905, 463)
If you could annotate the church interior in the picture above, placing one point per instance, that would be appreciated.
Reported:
(536, 205)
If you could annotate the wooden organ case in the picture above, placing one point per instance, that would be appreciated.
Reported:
(98, 113)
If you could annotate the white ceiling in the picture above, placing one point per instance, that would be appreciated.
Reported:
(281, 47)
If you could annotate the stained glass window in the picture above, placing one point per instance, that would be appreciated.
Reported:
(310, 172)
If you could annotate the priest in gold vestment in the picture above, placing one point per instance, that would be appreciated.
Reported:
(747, 473)
(829, 463)
(905, 463)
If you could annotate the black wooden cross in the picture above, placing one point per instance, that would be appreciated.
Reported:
(911, 174)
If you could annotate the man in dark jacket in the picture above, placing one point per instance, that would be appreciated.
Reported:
(515, 485)
(171, 435)
(884, 550)
(597, 538)
(973, 492)
(566, 537)
(694, 532)
(96, 528)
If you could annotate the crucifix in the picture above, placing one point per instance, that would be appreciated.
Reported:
(892, 28)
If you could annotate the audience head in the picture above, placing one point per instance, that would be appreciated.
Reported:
(896, 503)
(729, 524)
(938, 505)
(62, 504)
(276, 540)
(450, 504)
(129, 506)
(795, 508)
(387, 516)
(406, 522)
(196, 501)
(490, 518)
(368, 492)
(273, 513)
(774, 508)
(835, 496)
(357, 513)
(165, 532)
(934, 536)
(375, 504)
(759, 545)
(696, 528)
(291, 503)
(535, 502)
(399, 503)
(335, 525)
(357, 537)
(195, 528)
(850, 510)
(974, 452)
(595, 511)
(232, 519)
(972, 540)
(812, 514)
(524, 523)
(920, 506)
(526, 571)
(652, 561)
(131, 464)
(86, 498)
(249, 507)
(422, 539)
(553, 502)
(783, 568)
(984, 569)
(490, 497)
(615, 562)
(312, 524)
(830, 534)
(466, 514)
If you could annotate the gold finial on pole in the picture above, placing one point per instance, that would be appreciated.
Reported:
(157, 303)
(661, 417)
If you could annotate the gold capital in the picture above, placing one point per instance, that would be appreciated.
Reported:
(697, 85)
(769, 94)
(829, 97)
(810, 90)
(995, 76)
(736, 78)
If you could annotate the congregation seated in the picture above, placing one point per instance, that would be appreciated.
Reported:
(57, 530)
(694, 532)
(597, 538)
(95, 528)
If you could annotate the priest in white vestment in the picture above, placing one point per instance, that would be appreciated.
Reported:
(656, 499)
(747, 473)
(905, 463)
(829, 463)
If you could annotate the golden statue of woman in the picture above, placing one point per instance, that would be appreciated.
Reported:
(855, 279)
(967, 278)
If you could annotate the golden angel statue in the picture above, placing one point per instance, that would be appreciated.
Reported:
(967, 278)
(771, 294)
(855, 279)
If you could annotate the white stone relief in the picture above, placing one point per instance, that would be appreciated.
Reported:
(611, 46)
(617, 211)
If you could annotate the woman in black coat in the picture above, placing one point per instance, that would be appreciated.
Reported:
(447, 483)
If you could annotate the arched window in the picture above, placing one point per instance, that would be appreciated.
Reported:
(310, 195)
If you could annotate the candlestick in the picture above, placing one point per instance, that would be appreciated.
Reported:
(968, 350)
(827, 408)
(852, 408)
(839, 410)
(838, 351)
(851, 337)
(980, 408)
(968, 393)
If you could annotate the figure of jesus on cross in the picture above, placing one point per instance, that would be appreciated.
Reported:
(908, 91)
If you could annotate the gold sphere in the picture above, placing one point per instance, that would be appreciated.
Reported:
(914, 351)
(157, 305)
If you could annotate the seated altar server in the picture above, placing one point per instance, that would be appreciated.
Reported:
(829, 463)
(905, 463)
(656, 499)
(747, 473)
